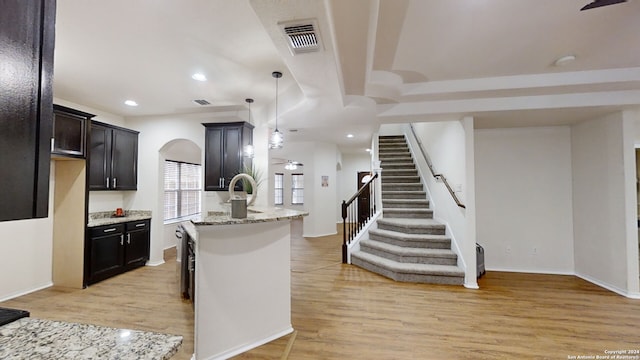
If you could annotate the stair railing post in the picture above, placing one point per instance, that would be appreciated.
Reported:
(344, 232)
(377, 169)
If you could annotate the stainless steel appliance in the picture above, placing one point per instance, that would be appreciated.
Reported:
(187, 263)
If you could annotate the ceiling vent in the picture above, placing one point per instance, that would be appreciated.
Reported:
(302, 36)
(202, 102)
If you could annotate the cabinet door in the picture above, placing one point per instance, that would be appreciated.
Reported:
(137, 248)
(100, 158)
(232, 164)
(106, 253)
(26, 107)
(137, 238)
(214, 155)
(69, 133)
(124, 170)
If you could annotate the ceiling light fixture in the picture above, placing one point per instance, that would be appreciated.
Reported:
(350, 136)
(276, 140)
(564, 60)
(248, 150)
(131, 103)
(199, 77)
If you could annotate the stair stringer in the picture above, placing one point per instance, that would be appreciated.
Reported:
(427, 181)
(363, 234)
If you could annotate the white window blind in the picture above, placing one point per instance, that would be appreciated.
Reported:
(182, 189)
(279, 189)
(297, 189)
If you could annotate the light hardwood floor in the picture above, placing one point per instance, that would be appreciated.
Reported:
(343, 312)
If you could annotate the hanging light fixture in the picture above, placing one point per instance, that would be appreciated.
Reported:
(247, 150)
(276, 139)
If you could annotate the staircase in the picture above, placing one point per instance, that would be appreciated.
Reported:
(408, 244)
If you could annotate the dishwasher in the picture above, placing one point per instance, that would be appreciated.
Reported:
(187, 263)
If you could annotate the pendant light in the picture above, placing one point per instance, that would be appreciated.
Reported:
(248, 149)
(276, 139)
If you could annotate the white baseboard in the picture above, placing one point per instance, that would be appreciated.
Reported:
(531, 271)
(155, 263)
(240, 350)
(319, 235)
(25, 292)
(610, 287)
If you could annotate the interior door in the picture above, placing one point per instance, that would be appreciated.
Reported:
(364, 199)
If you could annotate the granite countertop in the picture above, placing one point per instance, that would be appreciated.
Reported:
(30, 338)
(254, 215)
(108, 218)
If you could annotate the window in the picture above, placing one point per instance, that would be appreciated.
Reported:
(297, 189)
(279, 189)
(182, 189)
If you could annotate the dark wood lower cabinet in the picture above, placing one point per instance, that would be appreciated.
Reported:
(137, 244)
(114, 249)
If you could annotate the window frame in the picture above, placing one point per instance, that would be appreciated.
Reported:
(294, 189)
(280, 189)
(179, 191)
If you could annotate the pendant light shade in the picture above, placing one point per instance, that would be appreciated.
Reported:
(276, 139)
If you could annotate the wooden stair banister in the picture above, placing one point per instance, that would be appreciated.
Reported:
(351, 224)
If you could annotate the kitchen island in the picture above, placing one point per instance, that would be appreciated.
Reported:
(243, 279)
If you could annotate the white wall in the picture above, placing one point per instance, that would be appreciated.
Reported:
(319, 159)
(26, 247)
(449, 145)
(347, 177)
(184, 151)
(606, 244)
(523, 199)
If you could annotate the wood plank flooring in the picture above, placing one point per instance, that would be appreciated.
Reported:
(343, 312)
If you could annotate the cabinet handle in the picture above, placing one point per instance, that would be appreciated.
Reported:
(53, 143)
(222, 182)
(140, 225)
(107, 183)
(110, 230)
(114, 183)
(128, 238)
(121, 240)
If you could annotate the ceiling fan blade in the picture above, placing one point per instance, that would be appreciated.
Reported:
(600, 3)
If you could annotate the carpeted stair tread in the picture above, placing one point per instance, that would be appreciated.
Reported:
(409, 268)
(398, 195)
(401, 178)
(412, 223)
(410, 203)
(409, 251)
(410, 237)
(421, 213)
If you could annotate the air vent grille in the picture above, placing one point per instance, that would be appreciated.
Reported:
(201, 102)
(303, 36)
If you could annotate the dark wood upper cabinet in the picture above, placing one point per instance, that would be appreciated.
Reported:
(26, 107)
(224, 145)
(69, 132)
(113, 158)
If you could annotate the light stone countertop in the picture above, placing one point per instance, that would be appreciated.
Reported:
(254, 215)
(30, 338)
(107, 217)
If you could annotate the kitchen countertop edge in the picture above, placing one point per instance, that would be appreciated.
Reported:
(105, 218)
(256, 215)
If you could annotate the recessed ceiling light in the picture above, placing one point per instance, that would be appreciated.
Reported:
(131, 103)
(199, 77)
(349, 136)
(564, 60)
(367, 150)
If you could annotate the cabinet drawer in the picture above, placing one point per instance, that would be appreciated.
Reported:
(107, 230)
(138, 225)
